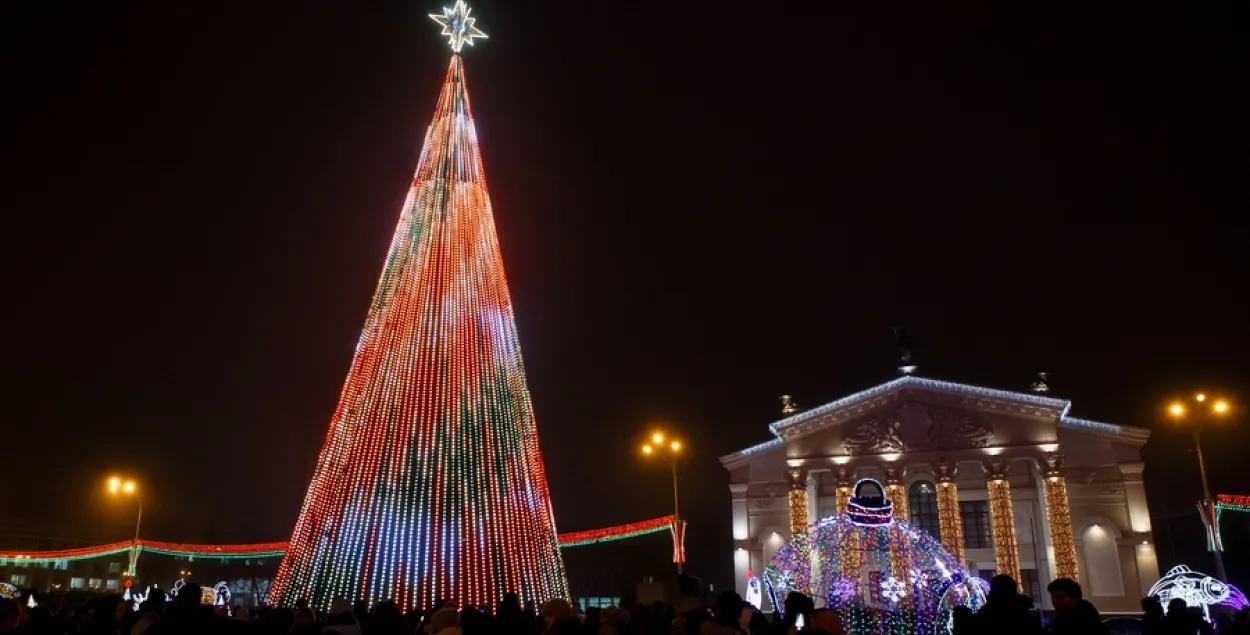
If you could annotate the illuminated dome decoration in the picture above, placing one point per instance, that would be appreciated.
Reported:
(882, 574)
(8, 591)
(1196, 589)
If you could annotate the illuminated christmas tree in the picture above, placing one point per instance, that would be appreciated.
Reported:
(430, 483)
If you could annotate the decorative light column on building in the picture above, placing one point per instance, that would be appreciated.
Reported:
(896, 492)
(1059, 518)
(842, 495)
(1002, 519)
(950, 522)
(798, 502)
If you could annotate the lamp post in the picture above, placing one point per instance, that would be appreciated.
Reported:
(118, 486)
(1204, 411)
(672, 447)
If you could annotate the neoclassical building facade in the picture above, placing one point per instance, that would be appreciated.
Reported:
(1008, 481)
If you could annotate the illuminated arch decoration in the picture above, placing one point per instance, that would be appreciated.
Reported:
(1211, 514)
(882, 574)
(1196, 589)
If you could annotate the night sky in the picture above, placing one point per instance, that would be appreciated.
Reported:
(700, 209)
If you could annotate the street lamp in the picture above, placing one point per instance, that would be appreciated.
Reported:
(1204, 411)
(118, 486)
(660, 445)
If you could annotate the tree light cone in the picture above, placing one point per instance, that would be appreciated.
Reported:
(430, 483)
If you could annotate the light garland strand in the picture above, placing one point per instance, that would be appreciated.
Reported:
(897, 494)
(797, 499)
(277, 549)
(950, 519)
(1002, 518)
(1059, 517)
(842, 496)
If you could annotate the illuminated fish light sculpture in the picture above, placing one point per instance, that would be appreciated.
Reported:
(1196, 589)
(1236, 599)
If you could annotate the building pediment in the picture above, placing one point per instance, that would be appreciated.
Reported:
(893, 393)
(913, 414)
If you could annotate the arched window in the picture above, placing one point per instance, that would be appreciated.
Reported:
(922, 499)
(1102, 561)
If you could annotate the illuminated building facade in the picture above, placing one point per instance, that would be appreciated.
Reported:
(1008, 481)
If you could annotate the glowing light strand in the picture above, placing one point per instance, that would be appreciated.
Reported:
(1002, 518)
(950, 522)
(1059, 517)
(277, 549)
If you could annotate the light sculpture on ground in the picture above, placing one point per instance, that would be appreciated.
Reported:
(1196, 589)
(884, 575)
(431, 483)
(221, 594)
(754, 593)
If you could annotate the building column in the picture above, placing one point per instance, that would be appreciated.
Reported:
(1002, 519)
(1059, 518)
(741, 534)
(844, 492)
(1047, 554)
(1139, 523)
(813, 497)
(950, 522)
(895, 491)
(798, 501)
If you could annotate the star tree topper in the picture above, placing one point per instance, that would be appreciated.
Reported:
(458, 26)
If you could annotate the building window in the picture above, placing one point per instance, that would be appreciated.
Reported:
(110, 585)
(61, 565)
(976, 517)
(1102, 560)
(115, 567)
(95, 583)
(1029, 584)
(600, 603)
(77, 583)
(922, 499)
(18, 579)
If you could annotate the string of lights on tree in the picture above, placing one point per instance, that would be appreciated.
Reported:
(431, 483)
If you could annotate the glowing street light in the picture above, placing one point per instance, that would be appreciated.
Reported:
(118, 486)
(1197, 419)
(673, 448)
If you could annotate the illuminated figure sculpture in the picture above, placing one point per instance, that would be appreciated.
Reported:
(754, 595)
(882, 574)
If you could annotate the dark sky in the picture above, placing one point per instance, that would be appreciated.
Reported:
(700, 208)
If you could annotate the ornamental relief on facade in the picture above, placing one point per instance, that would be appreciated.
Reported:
(916, 427)
(757, 505)
(1096, 490)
